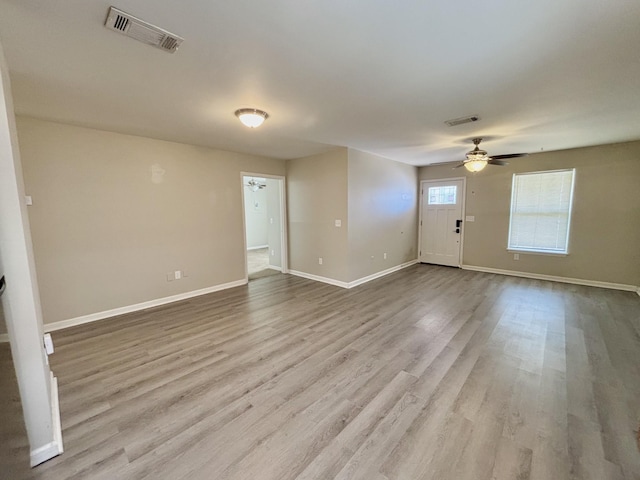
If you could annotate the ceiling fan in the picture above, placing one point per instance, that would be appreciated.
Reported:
(255, 185)
(477, 159)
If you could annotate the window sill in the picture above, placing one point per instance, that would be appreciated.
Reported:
(538, 252)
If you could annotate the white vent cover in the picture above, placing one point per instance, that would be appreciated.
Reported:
(142, 31)
(459, 121)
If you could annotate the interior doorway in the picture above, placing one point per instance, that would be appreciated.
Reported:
(441, 225)
(264, 207)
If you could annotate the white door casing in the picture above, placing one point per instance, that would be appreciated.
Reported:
(441, 214)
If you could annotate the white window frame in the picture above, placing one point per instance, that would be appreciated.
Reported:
(542, 251)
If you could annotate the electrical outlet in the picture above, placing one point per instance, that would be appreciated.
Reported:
(178, 274)
(273, 253)
(384, 255)
(319, 260)
(170, 277)
(338, 223)
(516, 256)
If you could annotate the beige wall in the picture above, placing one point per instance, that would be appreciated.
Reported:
(382, 213)
(373, 197)
(317, 196)
(605, 227)
(112, 214)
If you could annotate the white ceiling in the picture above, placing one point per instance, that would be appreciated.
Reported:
(376, 75)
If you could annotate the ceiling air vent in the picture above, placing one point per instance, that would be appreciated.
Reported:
(142, 31)
(459, 121)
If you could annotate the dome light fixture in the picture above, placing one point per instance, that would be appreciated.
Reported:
(251, 117)
(475, 165)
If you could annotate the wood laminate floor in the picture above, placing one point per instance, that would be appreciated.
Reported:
(258, 264)
(428, 373)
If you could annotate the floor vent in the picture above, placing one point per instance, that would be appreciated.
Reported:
(142, 31)
(459, 121)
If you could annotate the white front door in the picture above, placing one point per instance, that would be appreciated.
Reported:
(441, 222)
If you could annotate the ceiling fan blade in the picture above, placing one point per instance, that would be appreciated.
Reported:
(497, 162)
(510, 155)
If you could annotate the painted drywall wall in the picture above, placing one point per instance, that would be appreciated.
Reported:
(113, 214)
(20, 301)
(316, 197)
(255, 211)
(383, 213)
(3, 324)
(274, 221)
(373, 198)
(605, 224)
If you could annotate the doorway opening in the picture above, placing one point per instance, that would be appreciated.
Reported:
(441, 221)
(265, 236)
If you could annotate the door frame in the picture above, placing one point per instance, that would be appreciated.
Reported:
(463, 215)
(284, 250)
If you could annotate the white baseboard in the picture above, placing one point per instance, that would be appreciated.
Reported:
(382, 273)
(259, 247)
(56, 447)
(50, 327)
(55, 413)
(273, 267)
(354, 283)
(4, 337)
(44, 453)
(318, 278)
(553, 278)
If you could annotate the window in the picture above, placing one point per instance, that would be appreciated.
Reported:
(442, 195)
(541, 211)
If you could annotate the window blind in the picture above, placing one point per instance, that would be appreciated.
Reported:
(541, 211)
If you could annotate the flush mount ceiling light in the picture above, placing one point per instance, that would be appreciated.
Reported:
(251, 117)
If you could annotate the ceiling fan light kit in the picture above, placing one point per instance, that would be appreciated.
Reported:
(475, 165)
(251, 117)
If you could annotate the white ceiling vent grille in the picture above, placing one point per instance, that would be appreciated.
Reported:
(459, 121)
(142, 31)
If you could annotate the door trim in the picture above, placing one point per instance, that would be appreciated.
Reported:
(464, 208)
(284, 235)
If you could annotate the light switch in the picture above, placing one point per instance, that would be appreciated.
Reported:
(338, 223)
(28, 200)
